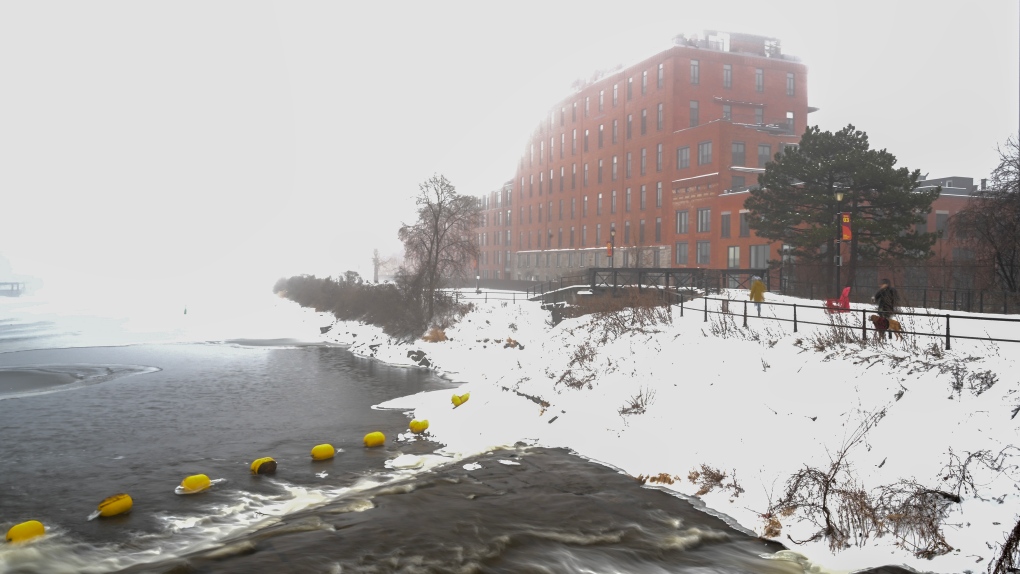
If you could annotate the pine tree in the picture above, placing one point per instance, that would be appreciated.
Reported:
(796, 204)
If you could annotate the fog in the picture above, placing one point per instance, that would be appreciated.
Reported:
(182, 146)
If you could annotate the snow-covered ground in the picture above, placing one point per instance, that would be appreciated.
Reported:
(676, 401)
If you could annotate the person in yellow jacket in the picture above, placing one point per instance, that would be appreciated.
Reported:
(757, 292)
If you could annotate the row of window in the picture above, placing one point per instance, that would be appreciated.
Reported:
(705, 222)
(572, 258)
(567, 237)
(738, 157)
(563, 206)
(759, 255)
(759, 78)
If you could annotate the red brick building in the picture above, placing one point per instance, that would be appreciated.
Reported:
(657, 159)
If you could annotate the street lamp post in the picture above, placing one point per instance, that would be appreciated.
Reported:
(612, 246)
(839, 234)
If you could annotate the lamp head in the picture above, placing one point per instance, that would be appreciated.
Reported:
(839, 196)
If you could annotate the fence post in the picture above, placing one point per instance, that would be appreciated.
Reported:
(486, 296)
(681, 305)
(954, 300)
(745, 314)
(794, 317)
(514, 294)
(864, 326)
(940, 298)
(924, 298)
(947, 332)
(706, 310)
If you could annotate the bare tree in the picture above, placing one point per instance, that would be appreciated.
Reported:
(991, 223)
(439, 246)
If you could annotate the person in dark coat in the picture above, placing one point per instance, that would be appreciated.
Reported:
(886, 300)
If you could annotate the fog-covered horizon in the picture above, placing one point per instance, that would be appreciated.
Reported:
(172, 144)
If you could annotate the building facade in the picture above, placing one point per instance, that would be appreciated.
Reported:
(656, 160)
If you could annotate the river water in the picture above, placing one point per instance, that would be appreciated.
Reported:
(81, 423)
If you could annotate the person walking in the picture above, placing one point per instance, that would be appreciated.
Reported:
(886, 300)
(757, 293)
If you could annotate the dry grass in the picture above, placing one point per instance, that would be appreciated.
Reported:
(435, 335)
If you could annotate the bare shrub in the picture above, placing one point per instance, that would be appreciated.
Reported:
(708, 479)
(1009, 555)
(639, 403)
(580, 372)
(661, 478)
(838, 334)
(628, 312)
(914, 515)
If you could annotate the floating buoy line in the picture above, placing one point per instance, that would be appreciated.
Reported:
(122, 503)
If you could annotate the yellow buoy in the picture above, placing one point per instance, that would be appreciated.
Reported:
(323, 452)
(195, 483)
(374, 439)
(266, 465)
(460, 399)
(116, 504)
(25, 531)
(418, 427)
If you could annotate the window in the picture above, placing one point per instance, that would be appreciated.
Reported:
(584, 235)
(601, 131)
(602, 99)
(529, 213)
(658, 194)
(627, 168)
(630, 125)
(642, 198)
(727, 112)
(614, 167)
(573, 113)
(598, 205)
(737, 182)
(586, 140)
(615, 94)
(789, 84)
(540, 182)
(598, 234)
(600, 171)
(660, 118)
(644, 82)
(681, 253)
(573, 206)
(561, 210)
(704, 219)
(571, 236)
(703, 252)
(683, 157)
(630, 88)
(658, 158)
(733, 257)
(586, 106)
(573, 176)
(745, 227)
(563, 116)
(704, 153)
(941, 219)
(759, 256)
(540, 213)
(789, 123)
(559, 243)
(531, 185)
(759, 80)
(644, 121)
(626, 233)
(737, 152)
(681, 221)
(626, 201)
(695, 73)
(658, 230)
(641, 232)
(644, 161)
(724, 225)
(764, 154)
(561, 177)
(923, 226)
(563, 144)
(759, 116)
(694, 113)
(584, 206)
(662, 76)
(541, 151)
(584, 180)
(727, 76)
(551, 141)
(616, 124)
(573, 142)
(612, 205)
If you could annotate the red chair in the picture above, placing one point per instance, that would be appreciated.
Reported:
(841, 305)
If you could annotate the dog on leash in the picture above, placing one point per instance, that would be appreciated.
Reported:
(883, 324)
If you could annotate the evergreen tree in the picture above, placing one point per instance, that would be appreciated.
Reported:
(795, 202)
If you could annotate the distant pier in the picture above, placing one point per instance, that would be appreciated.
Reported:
(11, 289)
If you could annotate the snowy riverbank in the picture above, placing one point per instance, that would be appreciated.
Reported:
(676, 401)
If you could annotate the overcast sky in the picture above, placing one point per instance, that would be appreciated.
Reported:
(217, 140)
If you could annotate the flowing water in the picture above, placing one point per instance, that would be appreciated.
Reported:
(82, 423)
